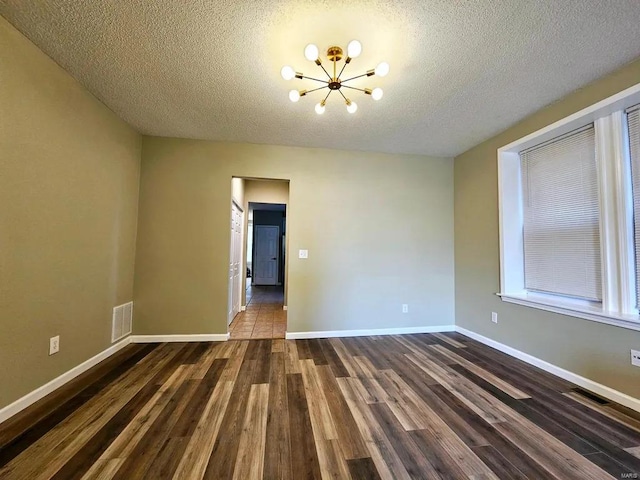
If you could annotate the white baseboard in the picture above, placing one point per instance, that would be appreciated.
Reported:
(243, 308)
(371, 332)
(595, 387)
(41, 392)
(221, 337)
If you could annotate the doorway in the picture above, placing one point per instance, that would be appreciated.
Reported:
(263, 310)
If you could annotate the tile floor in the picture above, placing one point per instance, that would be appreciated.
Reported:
(264, 317)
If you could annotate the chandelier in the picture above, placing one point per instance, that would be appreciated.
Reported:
(334, 82)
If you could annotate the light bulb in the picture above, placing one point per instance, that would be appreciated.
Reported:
(354, 49)
(352, 107)
(382, 69)
(376, 94)
(320, 109)
(294, 95)
(311, 52)
(287, 72)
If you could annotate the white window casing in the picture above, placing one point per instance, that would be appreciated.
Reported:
(614, 301)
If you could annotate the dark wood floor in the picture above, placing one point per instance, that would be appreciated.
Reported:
(436, 406)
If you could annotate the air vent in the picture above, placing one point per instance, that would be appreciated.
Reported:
(122, 321)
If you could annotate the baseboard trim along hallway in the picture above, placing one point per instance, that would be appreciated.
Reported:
(221, 337)
(369, 332)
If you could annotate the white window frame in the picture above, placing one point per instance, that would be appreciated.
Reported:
(616, 216)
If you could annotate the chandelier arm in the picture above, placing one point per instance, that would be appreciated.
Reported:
(325, 71)
(342, 70)
(358, 76)
(325, 98)
(354, 88)
(319, 88)
(315, 79)
(345, 98)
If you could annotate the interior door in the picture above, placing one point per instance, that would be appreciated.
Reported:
(235, 262)
(266, 251)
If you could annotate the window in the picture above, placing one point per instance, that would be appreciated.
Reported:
(561, 217)
(570, 214)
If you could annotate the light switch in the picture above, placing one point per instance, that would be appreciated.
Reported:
(303, 253)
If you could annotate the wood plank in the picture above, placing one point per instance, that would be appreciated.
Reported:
(451, 341)
(333, 359)
(317, 353)
(304, 350)
(609, 465)
(363, 469)
(250, 459)
(278, 345)
(196, 456)
(635, 451)
(304, 457)
(443, 463)
(278, 445)
(292, 359)
(321, 420)
(169, 457)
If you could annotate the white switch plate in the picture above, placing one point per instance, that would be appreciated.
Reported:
(405, 308)
(494, 317)
(303, 253)
(635, 358)
(54, 344)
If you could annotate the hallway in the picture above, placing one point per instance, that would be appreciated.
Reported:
(264, 316)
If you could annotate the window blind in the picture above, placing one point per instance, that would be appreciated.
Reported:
(633, 122)
(561, 216)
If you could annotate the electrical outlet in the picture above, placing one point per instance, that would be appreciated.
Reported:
(303, 253)
(494, 317)
(54, 344)
(635, 358)
(405, 308)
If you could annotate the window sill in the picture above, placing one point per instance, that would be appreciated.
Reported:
(595, 314)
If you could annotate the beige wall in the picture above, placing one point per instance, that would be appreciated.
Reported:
(265, 191)
(379, 230)
(69, 174)
(593, 350)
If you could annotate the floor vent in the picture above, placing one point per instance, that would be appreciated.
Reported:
(122, 321)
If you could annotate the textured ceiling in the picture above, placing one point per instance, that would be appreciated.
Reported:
(461, 71)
